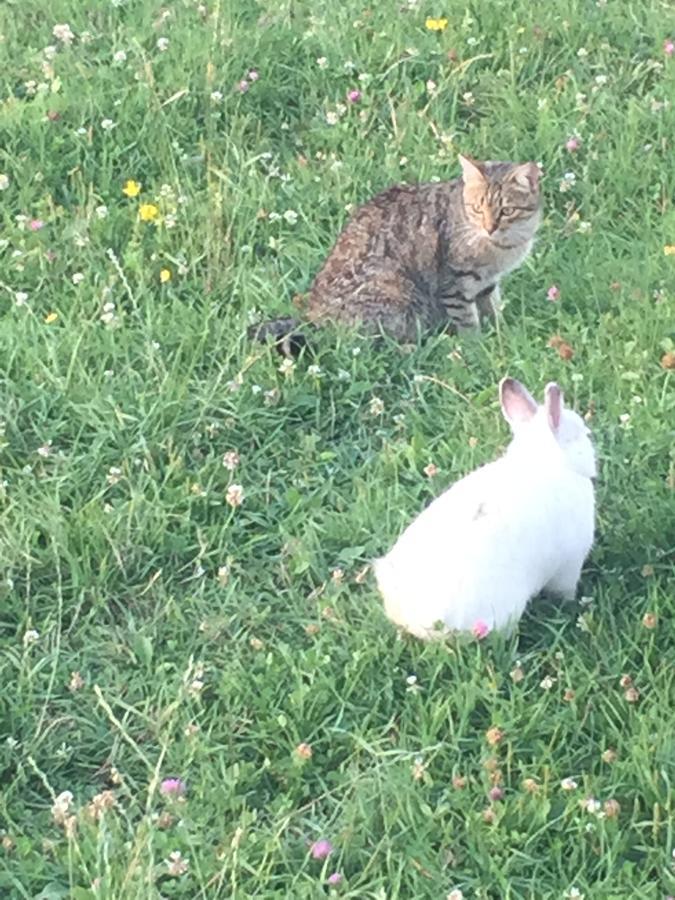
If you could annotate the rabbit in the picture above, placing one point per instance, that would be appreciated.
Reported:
(472, 560)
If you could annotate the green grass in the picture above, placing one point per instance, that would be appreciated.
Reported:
(111, 540)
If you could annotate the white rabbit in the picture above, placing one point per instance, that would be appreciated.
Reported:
(477, 554)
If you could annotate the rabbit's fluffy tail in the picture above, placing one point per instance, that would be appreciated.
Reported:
(287, 334)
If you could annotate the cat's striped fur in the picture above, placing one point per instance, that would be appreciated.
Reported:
(417, 257)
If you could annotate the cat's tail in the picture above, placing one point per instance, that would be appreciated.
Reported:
(287, 334)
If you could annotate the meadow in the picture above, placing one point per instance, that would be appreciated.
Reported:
(201, 697)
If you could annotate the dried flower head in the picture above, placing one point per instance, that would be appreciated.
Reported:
(76, 682)
(649, 620)
(611, 808)
(418, 768)
(565, 351)
(165, 820)
(376, 406)
(494, 735)
(61, 807)
(491, 764)
(304, 750)
(99, 804)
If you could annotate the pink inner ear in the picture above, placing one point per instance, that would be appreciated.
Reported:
(553, 403)
(518, 405)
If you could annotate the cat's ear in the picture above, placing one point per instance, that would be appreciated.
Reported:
(527, 175)
(472, 171)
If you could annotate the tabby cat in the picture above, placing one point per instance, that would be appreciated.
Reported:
(417, 257)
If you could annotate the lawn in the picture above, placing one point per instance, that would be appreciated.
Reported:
(192, 645)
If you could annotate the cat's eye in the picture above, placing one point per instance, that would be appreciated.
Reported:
(476, 207)
(508, 211)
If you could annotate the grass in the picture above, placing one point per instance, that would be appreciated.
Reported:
(212, 642)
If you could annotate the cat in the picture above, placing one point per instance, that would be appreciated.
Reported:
(420, 256)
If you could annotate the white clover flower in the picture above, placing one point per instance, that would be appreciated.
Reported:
(63, 33)
(235, 495)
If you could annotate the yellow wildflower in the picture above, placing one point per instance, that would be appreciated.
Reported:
(148, 212)
(436, 24)
(51, 317)
(165, 275)
(669, 249)
(131, 188)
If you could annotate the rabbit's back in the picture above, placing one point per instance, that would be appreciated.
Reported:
(482, 549)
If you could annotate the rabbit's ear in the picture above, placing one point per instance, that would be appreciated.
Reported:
(518, 405)
(553, 403)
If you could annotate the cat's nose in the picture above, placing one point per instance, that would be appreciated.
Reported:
(489, 225)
